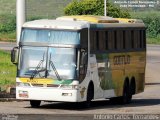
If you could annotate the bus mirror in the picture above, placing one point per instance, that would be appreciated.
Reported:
(84, 58)
(14, 55)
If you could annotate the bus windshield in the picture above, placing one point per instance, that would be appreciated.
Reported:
(50, 36)
(48, 62)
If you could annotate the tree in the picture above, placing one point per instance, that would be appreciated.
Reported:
(94, 7)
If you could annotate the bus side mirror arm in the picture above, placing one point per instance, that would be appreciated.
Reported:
(14, 55)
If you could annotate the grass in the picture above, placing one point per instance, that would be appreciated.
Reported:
(8, 37)
(7, 6)
(35, 7)
(7, 71)
(153, 41)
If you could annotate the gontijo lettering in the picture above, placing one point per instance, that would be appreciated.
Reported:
(122, 59)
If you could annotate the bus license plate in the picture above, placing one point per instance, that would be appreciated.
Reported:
(23, 94)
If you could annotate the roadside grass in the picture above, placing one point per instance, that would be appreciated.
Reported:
(8, 37)
(153, 41)
(7, 71)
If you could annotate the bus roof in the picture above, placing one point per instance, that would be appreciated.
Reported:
(105, 21)
(100, 19)
(90, 18)
(82, 21)
(56, 24)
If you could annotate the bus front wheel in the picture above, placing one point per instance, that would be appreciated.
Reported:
(35, 103)
(90, 95)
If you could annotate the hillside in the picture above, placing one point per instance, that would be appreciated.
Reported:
(7, 6)
(34, 9)
(46, 8)
(53, 8)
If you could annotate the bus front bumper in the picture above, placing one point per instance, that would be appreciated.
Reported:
(46, 94)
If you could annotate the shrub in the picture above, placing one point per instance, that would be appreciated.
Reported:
(152, 22)
(94, 7)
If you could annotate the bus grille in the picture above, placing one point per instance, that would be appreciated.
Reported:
(51, 85)
(42, 85)
(37, 85)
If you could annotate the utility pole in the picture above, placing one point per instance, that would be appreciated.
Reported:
(21, 17)
(105, 7)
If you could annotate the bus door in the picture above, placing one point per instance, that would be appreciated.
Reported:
(104, 72)
(95, 77)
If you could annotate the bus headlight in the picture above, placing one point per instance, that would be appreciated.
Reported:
(69, 87)
(66, 94)
(20, 84)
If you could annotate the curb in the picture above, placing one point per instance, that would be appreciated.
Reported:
(8, 95)
(3, 42)
(8, 99)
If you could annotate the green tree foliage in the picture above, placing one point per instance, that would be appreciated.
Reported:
(153, 26)
(152, 22)
(94, 7)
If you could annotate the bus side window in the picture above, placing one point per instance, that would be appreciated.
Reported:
(138, 39)
(141, 39)
(110, 40)
(132, 39)
(124, 40)
(102, 40)
(144, 39)
(128, 40)
(115, 40)
(84, 38)
(119, 38)
(93, 40)
(97, 40)
(106, 40)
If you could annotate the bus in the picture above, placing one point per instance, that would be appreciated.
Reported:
(80, 59)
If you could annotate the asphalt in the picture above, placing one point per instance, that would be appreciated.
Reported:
(7, 45)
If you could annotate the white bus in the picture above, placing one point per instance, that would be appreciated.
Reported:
(80, 58)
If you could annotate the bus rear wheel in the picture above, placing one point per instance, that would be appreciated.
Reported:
(127, 96)
(35, 103)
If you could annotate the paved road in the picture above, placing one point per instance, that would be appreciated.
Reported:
(147, 102)
(7, 45)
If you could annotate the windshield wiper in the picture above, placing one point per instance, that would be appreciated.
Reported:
(37, 71)
(54, 68)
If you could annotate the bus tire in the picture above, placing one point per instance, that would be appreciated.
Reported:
(35, 103)
(132, 90)
(133, 87)
(90, 95)
(126, 98)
